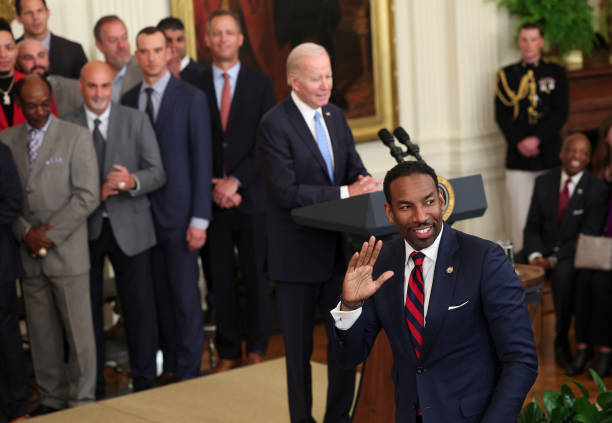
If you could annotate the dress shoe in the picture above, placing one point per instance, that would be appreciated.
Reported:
(579, 364)
(167, 378)
(43, 409)
(254, 358)
(603, 364)
(563, 356)
(225, 364)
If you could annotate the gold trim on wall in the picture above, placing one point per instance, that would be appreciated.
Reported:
(383, 65)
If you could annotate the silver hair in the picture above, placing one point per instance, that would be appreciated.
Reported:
(302, 50)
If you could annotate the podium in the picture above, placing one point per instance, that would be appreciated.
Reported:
(363, 216)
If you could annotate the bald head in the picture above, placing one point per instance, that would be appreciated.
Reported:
(32, 57)
(96, 84)
(34, 97)
(575, 153)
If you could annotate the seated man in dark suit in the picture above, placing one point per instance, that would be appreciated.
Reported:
(13, 379)
(451, 305)
(566, 201)
(66, 57)
(187, 69)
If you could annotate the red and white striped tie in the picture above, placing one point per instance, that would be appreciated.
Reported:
(414, 302)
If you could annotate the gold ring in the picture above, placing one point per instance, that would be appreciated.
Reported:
(121, 185)
(42, 252)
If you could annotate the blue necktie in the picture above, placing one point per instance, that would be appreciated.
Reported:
(323, 145)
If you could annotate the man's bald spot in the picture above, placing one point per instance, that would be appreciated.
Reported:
(575, 138)
(28, 42)
(96, 66)
(33, 82)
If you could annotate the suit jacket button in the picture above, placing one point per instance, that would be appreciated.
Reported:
(420, 370)
(556, 249)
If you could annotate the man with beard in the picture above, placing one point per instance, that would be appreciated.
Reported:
(112, 41)
(10, 113)
(180, 64)
(122, 227)
(33, 58)
(452, 307)
(59, 178)
(66, 57)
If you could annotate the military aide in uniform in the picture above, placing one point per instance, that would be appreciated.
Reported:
(531, 106)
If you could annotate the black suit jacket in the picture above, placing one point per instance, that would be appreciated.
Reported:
(295, 175)
(10, 209)
(194, 74)
(234, 151)
(478, 358)
(585, 213)
(66, 58)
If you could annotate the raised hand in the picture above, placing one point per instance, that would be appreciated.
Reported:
(358, 283)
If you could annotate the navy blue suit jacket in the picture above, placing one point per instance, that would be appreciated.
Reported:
(10, 209)
(586, 213)
(235, 150)
(193, 73)
(478, 359)
(295, 175)
(183, 133)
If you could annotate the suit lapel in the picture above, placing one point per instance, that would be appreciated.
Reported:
(46, 147)
(442, 288)
(210, 91)
(396, 291)
(237, 99)
(167, 103)
(577, 197)
(299, 124)
(21, 152)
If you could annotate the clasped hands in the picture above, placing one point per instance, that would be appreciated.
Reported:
(36, 239)
(364, 185)
(529, 146)
(358, 284)
(118, 180)
(225, 193)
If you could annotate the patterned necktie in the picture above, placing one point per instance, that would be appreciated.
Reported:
(100, 147)
(323, 144)
(226, 101)
(414, 302)
(149, 106)
(564, 199)
(35, 137)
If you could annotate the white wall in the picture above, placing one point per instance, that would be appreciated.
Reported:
(447, 54)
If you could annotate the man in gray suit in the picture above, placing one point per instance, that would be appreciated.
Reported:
(59, 178)
(112, 41)
(32, 57)
(122, 227)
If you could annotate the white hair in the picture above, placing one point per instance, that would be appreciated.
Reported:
(299, 51)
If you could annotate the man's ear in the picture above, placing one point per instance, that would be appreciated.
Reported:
(389, 213)
(441, 197)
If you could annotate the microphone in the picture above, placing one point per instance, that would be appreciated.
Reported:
(388, 140)
(404, 138)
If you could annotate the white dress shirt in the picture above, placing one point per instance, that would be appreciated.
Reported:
(308, 114)
(345, 319)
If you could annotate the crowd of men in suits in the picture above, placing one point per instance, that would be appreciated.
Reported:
(150, 161)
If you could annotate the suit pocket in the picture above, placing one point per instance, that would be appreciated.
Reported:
(475, 403)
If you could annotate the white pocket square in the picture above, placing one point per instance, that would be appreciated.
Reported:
(578, 212)
(457, 306)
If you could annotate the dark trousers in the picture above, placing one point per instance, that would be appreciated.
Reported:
(135, 288)
(179, 311)
(296, 306)
(247, 232)
(593, 308)
(562, 284)
(13, 377)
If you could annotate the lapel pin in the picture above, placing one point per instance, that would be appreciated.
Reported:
(449, 269)
(579, 191)
(327, 114)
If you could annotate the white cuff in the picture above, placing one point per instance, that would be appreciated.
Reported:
(534, 256)
(345, 319)
(198, 222)
(344, 192)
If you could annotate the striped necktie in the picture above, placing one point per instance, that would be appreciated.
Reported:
(414, 303)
